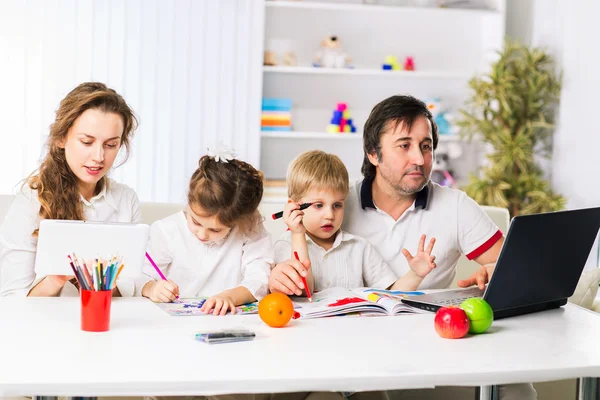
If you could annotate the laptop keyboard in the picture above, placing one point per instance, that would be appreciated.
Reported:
(453, 297)
(454, 302)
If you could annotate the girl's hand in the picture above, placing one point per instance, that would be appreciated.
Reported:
(423, 262)
(221, 304)
(292, 216)
(161, 291)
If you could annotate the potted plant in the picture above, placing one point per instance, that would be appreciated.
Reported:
(512, 110)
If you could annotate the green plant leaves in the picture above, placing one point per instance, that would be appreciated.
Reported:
(512, 108)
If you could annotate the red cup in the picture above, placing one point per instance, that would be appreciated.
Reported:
(95, 310)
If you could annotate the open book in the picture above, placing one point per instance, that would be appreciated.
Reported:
(362, 301)
(191, 306)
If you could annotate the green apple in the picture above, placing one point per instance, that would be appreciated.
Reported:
(480, 314)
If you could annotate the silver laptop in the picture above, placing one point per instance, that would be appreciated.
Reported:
(538, 268)
(89, 240)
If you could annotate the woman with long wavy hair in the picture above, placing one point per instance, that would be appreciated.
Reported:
(93, 122)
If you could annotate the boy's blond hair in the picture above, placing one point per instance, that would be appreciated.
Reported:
(316, 169)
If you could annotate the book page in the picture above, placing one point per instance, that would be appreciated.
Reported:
(390, 299)
(191, 306)
(335, 301)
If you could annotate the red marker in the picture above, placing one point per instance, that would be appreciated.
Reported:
(279, 214)
(304, 281)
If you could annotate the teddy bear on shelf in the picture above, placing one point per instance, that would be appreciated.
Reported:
(331, 54)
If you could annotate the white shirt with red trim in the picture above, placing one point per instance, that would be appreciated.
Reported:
(456, 221)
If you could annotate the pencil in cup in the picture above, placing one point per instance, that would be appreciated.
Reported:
(162, 276)
(303, 206)
(102, 278)
(304, 280)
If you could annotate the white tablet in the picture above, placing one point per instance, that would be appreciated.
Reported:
(89, 240)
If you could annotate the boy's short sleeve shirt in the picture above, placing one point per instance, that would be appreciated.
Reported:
(350, 263)
(456, 221)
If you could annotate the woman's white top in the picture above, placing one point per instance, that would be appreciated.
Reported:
(115, 203)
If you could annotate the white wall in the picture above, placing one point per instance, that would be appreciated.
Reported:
(570, 30)
(189, 68)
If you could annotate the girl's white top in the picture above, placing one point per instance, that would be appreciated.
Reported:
(203, 270)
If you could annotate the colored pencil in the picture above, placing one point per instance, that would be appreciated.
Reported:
(304, 280)
(162, 276)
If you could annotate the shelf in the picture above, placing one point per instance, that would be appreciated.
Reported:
(401, 74)
(336, 136)
(311, 135)
(312, 5)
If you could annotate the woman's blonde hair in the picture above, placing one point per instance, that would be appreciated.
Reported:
(316, 170)
(55, 183)
(232, 191)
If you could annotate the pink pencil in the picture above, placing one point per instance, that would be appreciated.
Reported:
(162, 276)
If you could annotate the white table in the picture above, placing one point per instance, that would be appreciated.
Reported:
(147, 352)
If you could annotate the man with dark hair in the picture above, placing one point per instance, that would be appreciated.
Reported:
(396, 203)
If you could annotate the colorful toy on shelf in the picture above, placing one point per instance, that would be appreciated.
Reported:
(341, 122)
(409, 64)
(331, 54)
(441, 118)
(276, 114)
(391, 63)
(440, 172)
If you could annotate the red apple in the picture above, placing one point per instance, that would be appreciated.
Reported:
(451, 322)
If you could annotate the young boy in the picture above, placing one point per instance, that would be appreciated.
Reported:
(337, 258)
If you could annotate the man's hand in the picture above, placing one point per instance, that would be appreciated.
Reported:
(480, 277)
(285, 277)
(423, 262)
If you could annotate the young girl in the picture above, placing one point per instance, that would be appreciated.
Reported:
(92, 123)
(218, 246)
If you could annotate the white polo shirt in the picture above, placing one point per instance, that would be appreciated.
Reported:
(455, 220)
(350, 263)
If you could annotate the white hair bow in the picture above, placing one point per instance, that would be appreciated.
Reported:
(221, 153)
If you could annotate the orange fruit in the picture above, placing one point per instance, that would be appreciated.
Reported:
(276, 309)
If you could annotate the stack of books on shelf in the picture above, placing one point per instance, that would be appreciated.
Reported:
(276, 114)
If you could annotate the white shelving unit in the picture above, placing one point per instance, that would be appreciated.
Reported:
(440, 74)
(334, 136)
(449, 46)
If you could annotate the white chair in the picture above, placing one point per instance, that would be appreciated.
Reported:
(154, 211)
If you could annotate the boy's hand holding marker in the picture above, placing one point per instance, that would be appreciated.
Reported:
(302, 206)
(292, 216)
